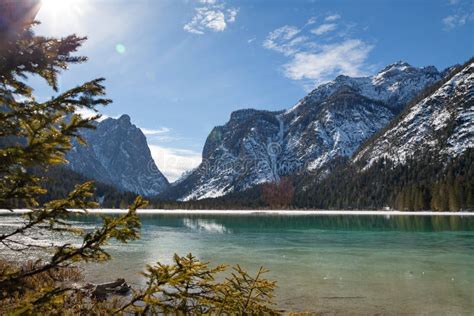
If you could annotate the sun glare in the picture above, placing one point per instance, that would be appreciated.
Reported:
(61, 7)
(56, 6)
(62, 14)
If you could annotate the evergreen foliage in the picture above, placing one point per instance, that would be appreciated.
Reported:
(189, 287)
(59, 180)
(426, 182)
(421, 184)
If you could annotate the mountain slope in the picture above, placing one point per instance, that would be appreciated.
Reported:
(117, 154)
(441, 123)
(422, 160)
(332, 121)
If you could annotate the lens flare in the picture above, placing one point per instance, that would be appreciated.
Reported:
(120, 48)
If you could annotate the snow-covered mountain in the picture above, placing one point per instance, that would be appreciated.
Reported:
(332, 121)
(117, 154)
(442, 122)
(394, 85)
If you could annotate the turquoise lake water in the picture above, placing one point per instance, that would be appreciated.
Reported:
(398, 265)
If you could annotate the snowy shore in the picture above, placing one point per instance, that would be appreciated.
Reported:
(261, 212)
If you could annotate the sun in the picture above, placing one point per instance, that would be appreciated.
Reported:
(56, 6)
(62, 14)
(61, 7)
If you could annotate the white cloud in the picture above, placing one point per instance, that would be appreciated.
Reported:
(87, 113)
(161, 135)
(347, 57)
(452, 21)
(324, 28)
(205, 18)
(333, 17)
(232, 15)
(462, 13)
(286, 32)
(211, 16)
(173, 162)
(162, 130)
(215, 20)
(284, 40)
(314, 57)
(311, 20)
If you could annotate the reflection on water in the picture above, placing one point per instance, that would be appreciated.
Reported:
(331, 264)
(204, 224)
(265, 222)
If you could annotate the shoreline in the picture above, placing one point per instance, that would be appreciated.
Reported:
(257, 212)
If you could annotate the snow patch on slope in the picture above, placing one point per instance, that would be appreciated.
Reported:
(423, 125)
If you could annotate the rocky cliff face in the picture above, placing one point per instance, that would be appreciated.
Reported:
(442, 122)
(117, 154)
(332, 121)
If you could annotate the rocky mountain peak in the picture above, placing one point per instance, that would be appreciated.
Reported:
(117, 153)
(125, 119)
(394, 85)
(242, 114)
(400, 65)
(402, 70)
(403, 66)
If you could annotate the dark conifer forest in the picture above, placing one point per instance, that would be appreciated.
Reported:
(420, 184)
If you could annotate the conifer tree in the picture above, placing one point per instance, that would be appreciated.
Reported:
(35, 135)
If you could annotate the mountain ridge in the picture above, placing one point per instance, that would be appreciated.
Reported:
(255, 146)
(450, 102)
(427, 180)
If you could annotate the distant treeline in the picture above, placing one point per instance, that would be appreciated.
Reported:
(59, 181)
(421, 184)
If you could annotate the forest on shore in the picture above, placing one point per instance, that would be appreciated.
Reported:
(420, 184)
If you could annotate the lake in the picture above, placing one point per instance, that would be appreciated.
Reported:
(357, 264)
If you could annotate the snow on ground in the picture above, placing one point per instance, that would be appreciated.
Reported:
(261, 212)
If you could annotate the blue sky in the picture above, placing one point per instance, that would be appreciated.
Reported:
(180, 67)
